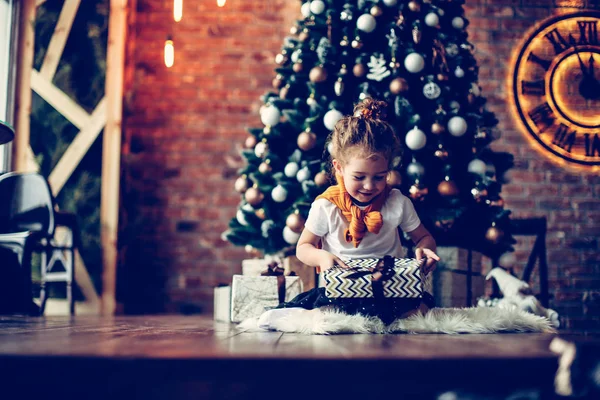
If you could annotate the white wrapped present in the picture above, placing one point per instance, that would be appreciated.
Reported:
(222, 304)
(252, 295)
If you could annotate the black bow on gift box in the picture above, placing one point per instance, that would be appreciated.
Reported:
(275, 269)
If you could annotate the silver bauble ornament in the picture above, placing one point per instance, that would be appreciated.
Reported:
(279, 194)
(457, 126)
(291, 169)
(366, 23)
(431, 90)
(414, 63)
(415, 139)
(290, 236)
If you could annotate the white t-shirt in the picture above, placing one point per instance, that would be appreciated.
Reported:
(327, 221)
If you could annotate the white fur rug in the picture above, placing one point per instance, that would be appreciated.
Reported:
(437, 320)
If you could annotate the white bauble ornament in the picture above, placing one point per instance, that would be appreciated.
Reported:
(390, 3)
(331, 118)
(415, 168)
(415, 139)
(291, 169)
(317, 7)
(305, 9)
(270, 115)
(366, 23)
(459, 72)
(295, 57)
(476, 166)
(431, 90)
(457, 126)
(330, 148)
(396, 161)
(458, 22)
(290, 236)
(414, 63)
(432, 19)
(260, 150)
(303, 174)
(279, 194)
(241, 218)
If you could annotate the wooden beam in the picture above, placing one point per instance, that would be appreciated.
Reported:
(77, 149)
(23, 89)
(111, 151)
(59, 100)
(59, 38)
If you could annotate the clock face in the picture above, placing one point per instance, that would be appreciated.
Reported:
(556, 87)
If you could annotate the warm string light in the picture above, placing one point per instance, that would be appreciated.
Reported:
(221, 3)
(169, 53)
(177, 10)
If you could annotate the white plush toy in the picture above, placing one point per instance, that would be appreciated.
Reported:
(518, 294)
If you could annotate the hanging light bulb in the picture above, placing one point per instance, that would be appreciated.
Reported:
(169, 52)
(221, 3)
(177, 10)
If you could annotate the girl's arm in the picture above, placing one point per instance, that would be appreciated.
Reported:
(425, 247)
(308, 252)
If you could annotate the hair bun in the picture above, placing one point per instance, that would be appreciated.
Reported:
(371, 109)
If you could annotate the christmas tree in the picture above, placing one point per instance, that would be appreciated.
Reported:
(415, 56)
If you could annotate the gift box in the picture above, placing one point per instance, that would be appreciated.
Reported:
(222, 304)
(372, 277)
(252, 295)
(291, 266)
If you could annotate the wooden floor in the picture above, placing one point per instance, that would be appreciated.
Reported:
(170, 357)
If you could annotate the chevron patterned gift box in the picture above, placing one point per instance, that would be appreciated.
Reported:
(356, 282)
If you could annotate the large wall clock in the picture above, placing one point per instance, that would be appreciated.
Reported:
(556, 87)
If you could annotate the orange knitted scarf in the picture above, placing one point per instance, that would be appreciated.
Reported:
(361, 221)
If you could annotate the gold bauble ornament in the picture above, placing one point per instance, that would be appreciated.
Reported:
(344, 42)
(294, 30)
(418, 192)
(494, 235)
(321, 178)
(250, 142)
(398, 85)
(283, 92)
(307, 140)
(317, 74)
(376, 11)
(303, 36)
(394, 178)
(281, 59)
(437, 128)
(277, 81)
(265, 167)
(441, 153)
(260, 213)
(254, 196)
(447, 188)
(442, 77)
(414, 6)
(242, 184)
(295, 222)
(298, 67)
(359, 70)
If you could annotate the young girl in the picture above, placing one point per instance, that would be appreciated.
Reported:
(359, 217)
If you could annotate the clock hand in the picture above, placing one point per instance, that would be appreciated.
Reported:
(582, 65)
(591, 68)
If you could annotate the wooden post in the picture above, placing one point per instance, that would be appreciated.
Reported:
(23, 92)
(111, 151)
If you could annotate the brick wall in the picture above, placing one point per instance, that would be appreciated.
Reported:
(184, 125)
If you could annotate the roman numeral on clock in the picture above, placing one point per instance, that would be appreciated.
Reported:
(592, 146)
(563, 138)
(539, 61)
(535, 88)
(588, 32)
(559, 43)
(542, 116)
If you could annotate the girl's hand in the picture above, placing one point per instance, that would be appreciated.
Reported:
(328, 260)
(430, 256)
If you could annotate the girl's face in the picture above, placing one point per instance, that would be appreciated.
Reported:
(364, 178)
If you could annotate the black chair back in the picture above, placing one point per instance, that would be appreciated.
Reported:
(26, 204)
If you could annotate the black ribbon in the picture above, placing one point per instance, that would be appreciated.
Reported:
(383, 271)
(274, 269)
